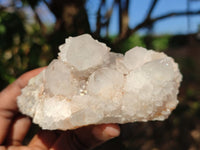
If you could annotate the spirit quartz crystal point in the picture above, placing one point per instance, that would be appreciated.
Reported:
(87, 84)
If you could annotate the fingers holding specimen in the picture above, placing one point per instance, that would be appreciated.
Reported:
(44, 140)
(18, 130)
(92, 136)
(106, 131)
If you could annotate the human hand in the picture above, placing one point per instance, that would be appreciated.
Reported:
(14, 126)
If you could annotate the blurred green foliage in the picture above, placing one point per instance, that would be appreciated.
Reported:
(22, 47)
(161, 43)
(132, 41)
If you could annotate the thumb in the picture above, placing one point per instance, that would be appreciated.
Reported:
(91, 136)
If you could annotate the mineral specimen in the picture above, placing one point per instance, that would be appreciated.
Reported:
(87, 84)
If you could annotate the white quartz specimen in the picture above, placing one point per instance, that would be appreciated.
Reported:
(87, 84)
(89, 53)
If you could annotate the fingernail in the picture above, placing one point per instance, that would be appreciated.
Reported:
(112, 131)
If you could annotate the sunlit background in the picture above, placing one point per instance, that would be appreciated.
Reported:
(32, 30)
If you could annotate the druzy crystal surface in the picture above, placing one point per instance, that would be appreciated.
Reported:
(88, 84)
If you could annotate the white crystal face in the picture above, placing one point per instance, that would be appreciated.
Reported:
(164, 70)
(105, 82)
(87, 84)
(59, 80)
(83, 52)
(134, 57)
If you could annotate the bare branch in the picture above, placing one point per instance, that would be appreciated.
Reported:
(148, 22)
(151, 9)
(120, 16)
(98, 21)
(109, 12)
(37, 18)
(47, 4)
(176, 14)
(125, 19)
(107, 17)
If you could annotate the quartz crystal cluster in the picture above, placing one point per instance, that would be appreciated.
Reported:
(88, 84)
